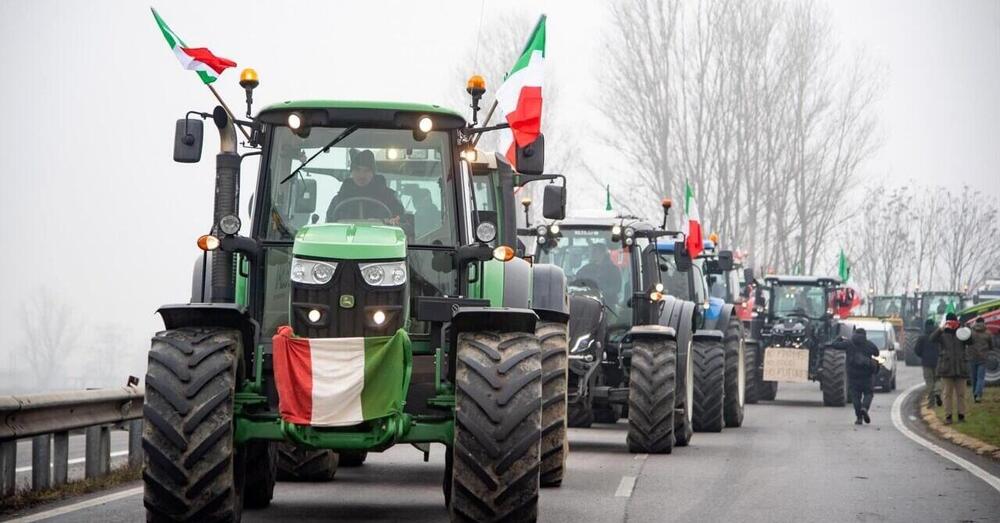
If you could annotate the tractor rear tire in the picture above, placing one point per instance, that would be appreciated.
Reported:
(752, 389)
(352, 458)
(580, 414)
(652, 397)
(553, 337)
(909, 344)
(735, 373)
(297, 463)
(191, 469)
(833, 379)
(683, 429)
(498, 427)
(261, 473)
(709, 386)
(767, 390)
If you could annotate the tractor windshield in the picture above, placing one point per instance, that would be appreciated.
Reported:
(935, 307)
(798, 300)
(591, 260)
(381, 176)
(887, 306)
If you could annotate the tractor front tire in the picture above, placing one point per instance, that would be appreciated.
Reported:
(752, 385)
(767, 390)
(297, 463)
(833, 380)
(580, 414)
(498, 427)
(735, 374)
(261, 473)
(709, 386)
(909, 344)
(191, 470)
(652, 397)
(553, 337)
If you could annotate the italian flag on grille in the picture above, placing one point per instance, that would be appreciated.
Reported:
(519, 98)
(199, 59)
(336, 382)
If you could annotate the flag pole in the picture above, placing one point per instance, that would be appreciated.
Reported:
(228, 112)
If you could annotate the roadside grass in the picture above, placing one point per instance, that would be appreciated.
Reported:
(982, 421)
(27, 498)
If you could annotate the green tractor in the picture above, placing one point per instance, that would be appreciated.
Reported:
(923, 306)
(350, 320)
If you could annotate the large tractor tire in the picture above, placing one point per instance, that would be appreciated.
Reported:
(735, 373)
(261, 462)
(297, 463)
(909, 344)
(767, 390)
(498, 427)
(683, 417)
(352, 458)
(709, 386)
(580, 414)
(191, 468)
(652, 396)
(555, 372)
(751, 372)
(833, 379)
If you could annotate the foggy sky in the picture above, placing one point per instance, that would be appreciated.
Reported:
(93, 208)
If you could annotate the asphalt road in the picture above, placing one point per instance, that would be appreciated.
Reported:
(793, 460)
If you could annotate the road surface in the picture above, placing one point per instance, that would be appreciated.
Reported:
(793, 460)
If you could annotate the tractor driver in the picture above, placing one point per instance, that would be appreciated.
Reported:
(601, 270)
(361, 194)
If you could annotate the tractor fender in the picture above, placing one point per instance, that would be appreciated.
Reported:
(655, 332)
(225, 315)
(548, 293)
(708, 335)
(500, 319)
(517, 284)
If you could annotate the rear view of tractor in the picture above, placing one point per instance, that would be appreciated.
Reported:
(795, 333)
(375, 299)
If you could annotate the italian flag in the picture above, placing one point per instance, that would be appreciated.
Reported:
(694, 242)
(520, 96)
(337, 382)
(199, 59)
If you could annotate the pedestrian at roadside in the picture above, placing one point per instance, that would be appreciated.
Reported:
(952, 368)
(928, 353)
(977, 350)
(861, 370)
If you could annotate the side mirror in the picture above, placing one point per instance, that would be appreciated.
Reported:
(554, 202)
(726, 260)
(304, 192)
(681, 258)
(188, 136)
(531, 158)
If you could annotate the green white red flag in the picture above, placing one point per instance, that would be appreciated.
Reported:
(338, 382)
(694, 242)
(519, 98)
(198, 59)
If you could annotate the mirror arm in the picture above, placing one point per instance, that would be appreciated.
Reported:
(241, 244)
(471, 131)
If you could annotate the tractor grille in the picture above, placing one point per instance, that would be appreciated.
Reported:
(346, 322)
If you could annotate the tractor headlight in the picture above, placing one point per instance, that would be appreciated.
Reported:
(486, 231)
(229, 224)
(542, 230)
(384, 274)
(312, 272)
(629, 232)
(554, 229)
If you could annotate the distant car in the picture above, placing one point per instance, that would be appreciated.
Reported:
(883, 335)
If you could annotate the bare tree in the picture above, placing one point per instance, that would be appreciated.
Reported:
(50, 336)
(881, 242)
(967, 245)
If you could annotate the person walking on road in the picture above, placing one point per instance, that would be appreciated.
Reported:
(977, 350)
(952, 368)
(861, 369)
(928, 353)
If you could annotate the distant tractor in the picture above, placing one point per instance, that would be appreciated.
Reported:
(923, 306)
(795, 332)
(342, 323)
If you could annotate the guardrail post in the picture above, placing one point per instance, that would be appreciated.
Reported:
(60, 458)
(98, 458)
(8, 467)
(41, 459)
(135, 442)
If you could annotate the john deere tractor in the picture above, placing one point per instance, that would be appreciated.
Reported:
(374, 299)
(630, 344)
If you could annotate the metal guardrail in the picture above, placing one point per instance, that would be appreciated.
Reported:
(48, 419)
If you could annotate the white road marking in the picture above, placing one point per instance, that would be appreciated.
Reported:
(625, 487)
(74, 461)
(78, 506)
(897, 420)
(641, 457)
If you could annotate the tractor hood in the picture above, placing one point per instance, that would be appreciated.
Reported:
(349, 241)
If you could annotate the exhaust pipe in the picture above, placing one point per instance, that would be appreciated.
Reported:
(227, 196)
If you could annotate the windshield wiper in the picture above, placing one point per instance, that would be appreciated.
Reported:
(325, 148)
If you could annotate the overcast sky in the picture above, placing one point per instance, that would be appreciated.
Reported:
(93, 208)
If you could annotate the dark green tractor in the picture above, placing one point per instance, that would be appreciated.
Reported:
(349, 320)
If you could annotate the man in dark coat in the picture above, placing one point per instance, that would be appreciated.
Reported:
(952, 367)
(355, 195)
(977, 351)
(928, 353)
(861, 369)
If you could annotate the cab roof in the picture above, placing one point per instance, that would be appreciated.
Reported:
(600, 222)
(363, 112)
(801, 280)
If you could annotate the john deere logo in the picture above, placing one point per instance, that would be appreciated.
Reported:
(346, 301)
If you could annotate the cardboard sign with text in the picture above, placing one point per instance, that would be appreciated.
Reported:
(786, 365)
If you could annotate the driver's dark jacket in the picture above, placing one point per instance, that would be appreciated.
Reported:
(376, 190)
